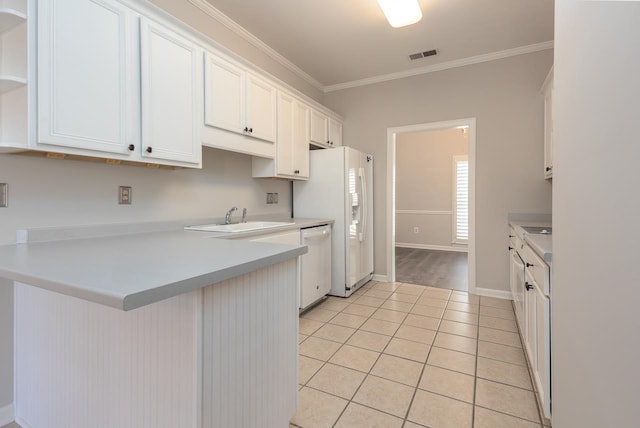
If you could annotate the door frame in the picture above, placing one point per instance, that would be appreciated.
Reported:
(391, 190)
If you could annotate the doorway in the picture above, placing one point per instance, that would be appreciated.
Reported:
(435, 246)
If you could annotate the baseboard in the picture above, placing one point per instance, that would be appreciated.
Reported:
(433, 247)
(380, 278)
(490, 292)
(7, 414)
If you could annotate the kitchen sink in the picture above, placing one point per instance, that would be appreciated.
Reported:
(237, 227)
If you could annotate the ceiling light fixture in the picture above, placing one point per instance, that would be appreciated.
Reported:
(401, 13)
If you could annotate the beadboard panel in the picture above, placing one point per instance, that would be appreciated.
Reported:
(105, 367)
(250, 345)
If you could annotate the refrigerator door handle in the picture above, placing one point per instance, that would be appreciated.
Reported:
(363, 223)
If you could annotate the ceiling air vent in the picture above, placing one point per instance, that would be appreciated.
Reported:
(424, 54)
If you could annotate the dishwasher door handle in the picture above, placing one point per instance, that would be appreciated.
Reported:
(311, 236)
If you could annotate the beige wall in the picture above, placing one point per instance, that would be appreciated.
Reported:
(596, 233)
(192, 15)
(424, 182)
(505, 98)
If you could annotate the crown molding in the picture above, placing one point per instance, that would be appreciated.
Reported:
(442, 66)
(216, 14)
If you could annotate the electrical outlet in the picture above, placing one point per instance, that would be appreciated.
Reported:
(416, 229)
(4, 195)
(125, 195)
(269, 198)
(275, 198)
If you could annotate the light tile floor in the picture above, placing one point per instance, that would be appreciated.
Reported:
(404, 355)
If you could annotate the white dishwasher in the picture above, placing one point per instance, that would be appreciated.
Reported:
(316, 264)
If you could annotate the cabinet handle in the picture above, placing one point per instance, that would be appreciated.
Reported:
(149, 150)
(529, 264)
(548, 168)
(528, 286)
(510, 248)
(131, 147)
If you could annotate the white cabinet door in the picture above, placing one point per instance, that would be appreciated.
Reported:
(542, 373)
(301, 139)
(171, 95)
(286, 137)
(224, 94)
(335, 133)
(548, 127)
(260, 108)
(531, 323)
(319, 128)
(88, 75)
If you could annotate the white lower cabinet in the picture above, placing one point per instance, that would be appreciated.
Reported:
(535, 326)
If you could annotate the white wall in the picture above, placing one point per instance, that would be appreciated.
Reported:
(424, 183)
(47, 192)
(596, 281)
(505, 98)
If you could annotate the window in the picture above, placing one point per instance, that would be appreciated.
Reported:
(460, 199)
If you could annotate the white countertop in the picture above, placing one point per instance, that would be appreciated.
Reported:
(133, 270)
(541, 244)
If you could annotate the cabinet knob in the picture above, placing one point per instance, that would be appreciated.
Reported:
(511, 236)
(548, 168)
(246, 129)
(328, 142)
(250, 130)
(297, 171)
(317, 287)
(529, 264)
(149, 150)
(510, 248)
(528, 286)
(131, 147)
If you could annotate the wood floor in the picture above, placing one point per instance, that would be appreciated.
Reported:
(442, 269)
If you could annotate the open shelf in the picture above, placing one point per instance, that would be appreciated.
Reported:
(9, 18)
(9, 83)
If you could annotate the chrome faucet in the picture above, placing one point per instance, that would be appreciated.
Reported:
(227, 217)
(244, 215)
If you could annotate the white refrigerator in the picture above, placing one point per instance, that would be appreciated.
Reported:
(340, 188)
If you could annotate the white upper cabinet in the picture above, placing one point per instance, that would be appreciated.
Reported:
(325, 131)
(292, 148)
(239, 102)
(547, 90)
(319, 128)
(171, 71)
(87, 75)
(261, 108)
(301, 131)
(335, 133)
(224, 95)
(114, 85)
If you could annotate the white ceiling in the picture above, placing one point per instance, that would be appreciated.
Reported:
(341, 42)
